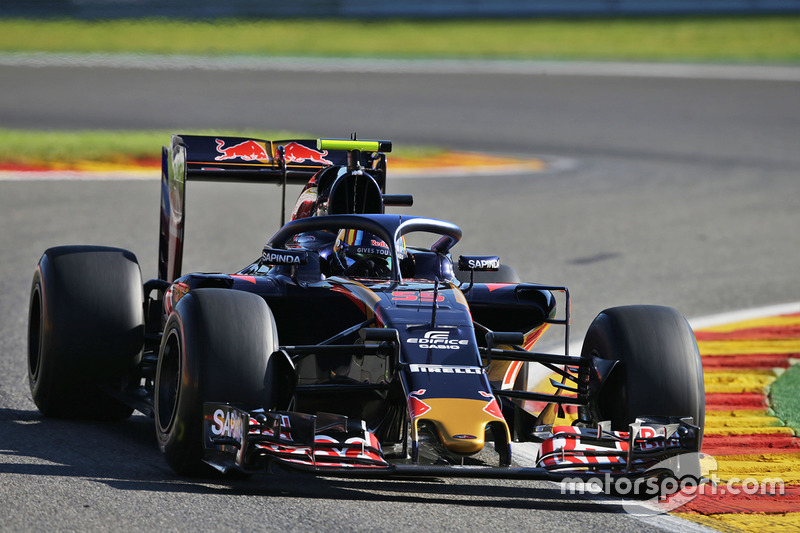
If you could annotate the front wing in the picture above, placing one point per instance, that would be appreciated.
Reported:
(328, 444)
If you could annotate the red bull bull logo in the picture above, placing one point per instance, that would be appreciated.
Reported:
(417, 407)
(297, 153)
(247, 150)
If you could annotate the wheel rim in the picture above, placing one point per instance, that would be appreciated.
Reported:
(169, 381)
(35, 320)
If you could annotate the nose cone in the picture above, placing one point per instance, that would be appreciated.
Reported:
(460, 423)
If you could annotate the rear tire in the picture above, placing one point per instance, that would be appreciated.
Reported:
(660, 372)
(85, 328)
(216, 347)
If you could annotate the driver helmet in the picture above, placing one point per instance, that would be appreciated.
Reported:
(362, 254)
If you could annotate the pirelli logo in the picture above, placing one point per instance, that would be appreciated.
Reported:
(445, 369)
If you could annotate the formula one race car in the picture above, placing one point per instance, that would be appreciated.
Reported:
(345, 350)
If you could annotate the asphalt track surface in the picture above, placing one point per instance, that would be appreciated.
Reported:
(673, 191)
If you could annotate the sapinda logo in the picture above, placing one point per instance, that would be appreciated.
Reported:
(479, 262)
(227, 424)
(484, 263)
(276, 257)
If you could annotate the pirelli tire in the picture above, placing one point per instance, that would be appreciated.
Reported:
(659, 371)
(85, 330)
(216, 347)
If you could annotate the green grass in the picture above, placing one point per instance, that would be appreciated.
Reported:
(785, 398)
(744, 39)
(68, 148)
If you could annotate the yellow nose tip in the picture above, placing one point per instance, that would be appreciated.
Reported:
(460, 423)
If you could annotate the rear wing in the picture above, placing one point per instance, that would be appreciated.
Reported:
(246, 160)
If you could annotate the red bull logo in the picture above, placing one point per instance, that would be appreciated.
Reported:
(247, 150)
(417, 407)
(297, 153)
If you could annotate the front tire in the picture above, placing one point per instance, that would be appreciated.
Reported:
(85, 328)
(659, 373)
(216, 347)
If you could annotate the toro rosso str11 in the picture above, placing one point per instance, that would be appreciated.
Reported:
(345, 350)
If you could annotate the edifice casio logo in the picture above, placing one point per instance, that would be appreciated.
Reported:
(437, 339)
